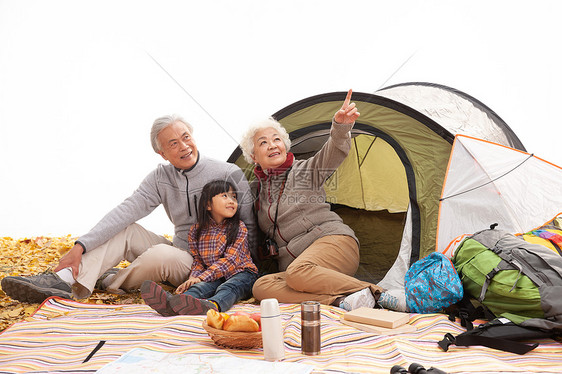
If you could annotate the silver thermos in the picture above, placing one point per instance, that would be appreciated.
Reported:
(272, 330)
(310, 328)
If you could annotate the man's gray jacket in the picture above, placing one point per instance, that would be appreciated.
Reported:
(179, 192)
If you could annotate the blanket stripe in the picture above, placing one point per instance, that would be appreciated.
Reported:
(62, 333)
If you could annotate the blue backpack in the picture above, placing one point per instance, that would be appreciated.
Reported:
(432, 284)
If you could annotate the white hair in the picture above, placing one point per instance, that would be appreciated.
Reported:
(247, 142)
(160, 124)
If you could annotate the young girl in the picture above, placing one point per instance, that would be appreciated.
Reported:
(222, 272)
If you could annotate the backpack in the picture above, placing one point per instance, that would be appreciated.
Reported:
(432, 284)
(517, 282)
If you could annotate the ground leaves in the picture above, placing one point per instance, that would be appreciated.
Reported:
(30, 256)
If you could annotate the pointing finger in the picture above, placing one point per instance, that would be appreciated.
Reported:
(347, 98)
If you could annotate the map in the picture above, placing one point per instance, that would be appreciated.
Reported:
(140, 360)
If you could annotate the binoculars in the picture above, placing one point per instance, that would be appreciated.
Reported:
(415, 369)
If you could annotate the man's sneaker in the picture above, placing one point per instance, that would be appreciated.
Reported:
(157, 298)
(36, 288)
(394, 300)
(363, 298)
(188, 305)
(105, 279)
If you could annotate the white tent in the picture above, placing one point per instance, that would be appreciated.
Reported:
(489, 183)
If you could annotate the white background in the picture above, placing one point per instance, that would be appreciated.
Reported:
(80, 82)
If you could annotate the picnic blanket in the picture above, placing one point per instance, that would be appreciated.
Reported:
(62, 334)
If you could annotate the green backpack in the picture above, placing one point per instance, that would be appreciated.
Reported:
(518, 283)
(514, 279)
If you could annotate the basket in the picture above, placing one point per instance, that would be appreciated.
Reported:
(234, 339)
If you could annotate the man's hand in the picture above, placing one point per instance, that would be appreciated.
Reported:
(71, 260)
(185, 285)
(348, 112)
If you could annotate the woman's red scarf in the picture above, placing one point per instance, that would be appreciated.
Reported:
(258, 171)
(261, 175)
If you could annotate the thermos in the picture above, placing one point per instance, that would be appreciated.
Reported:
(271, 330)
(310, 328)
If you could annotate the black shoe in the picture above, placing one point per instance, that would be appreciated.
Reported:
(36, 288)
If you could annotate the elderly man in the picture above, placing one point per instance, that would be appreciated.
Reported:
(177, 186)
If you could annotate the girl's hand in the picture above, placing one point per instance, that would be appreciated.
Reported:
(348, 112)
(185, 285)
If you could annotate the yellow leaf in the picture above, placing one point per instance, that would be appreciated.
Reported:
(15, 312)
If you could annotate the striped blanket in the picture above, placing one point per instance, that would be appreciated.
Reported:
(62, 333)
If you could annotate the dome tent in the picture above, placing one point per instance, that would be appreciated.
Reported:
(388, 188)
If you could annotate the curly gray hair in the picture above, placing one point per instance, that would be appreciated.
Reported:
(247, 142)
(160, 124)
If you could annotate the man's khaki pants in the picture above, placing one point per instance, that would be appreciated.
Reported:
(151, 256)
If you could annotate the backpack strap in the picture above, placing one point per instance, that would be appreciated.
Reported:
(467, 312)
(502, 265)
(500, 334)
(496, 343)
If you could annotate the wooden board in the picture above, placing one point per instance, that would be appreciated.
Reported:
(378, 317)
(379, 330)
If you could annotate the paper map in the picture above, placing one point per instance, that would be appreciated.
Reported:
(140, 360)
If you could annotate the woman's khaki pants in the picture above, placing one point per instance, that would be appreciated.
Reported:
(323, 273)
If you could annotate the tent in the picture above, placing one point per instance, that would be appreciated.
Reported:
(389, 186)
(493, 184)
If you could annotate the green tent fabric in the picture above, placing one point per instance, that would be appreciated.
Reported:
(395, 171)
(373, 165)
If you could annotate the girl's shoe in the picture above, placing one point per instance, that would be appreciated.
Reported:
(157, 298)
(189, 305)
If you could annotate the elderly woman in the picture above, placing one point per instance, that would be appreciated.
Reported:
(317, 253)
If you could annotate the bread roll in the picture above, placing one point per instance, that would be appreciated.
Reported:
(215, 319)
(241, 323)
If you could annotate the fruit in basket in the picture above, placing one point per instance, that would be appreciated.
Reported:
(256, 317)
